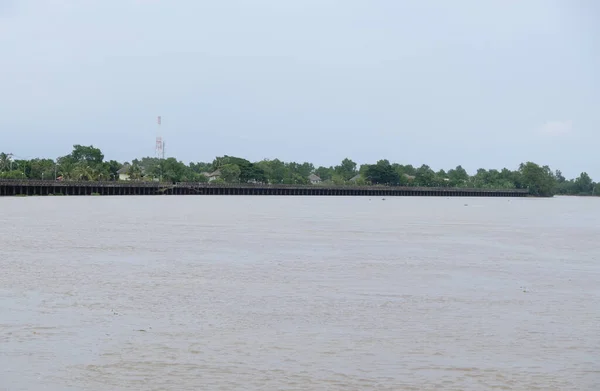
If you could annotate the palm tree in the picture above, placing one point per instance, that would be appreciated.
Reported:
(67, 169)
(4, 162)
(84, 173)
(135, 172)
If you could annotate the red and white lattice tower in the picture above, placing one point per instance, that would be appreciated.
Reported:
(160, 144)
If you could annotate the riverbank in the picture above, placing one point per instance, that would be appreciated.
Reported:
(123, 188)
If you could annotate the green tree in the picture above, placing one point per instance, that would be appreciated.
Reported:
(346, 170)
(408, 169)
(360, 181)
(297, 179)
(362, 170)
(135, 172)
(425, 176)
(584, 184)
(40, 169)
(275, 170)
(382, 173)
(510, 179)
(66, 168)
(219, 162)
(87, 163)
(458, 176)
(325, 173)
(298, 173)
(230, 173)
(539, 180)
(338, 179)
(110, 169)
(176, 171)
(82, 172)
(14, 174)
(249, 172)
(201, 167)
(87, 154)
(4, 162)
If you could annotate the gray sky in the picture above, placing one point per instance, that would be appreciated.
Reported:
(478, 83)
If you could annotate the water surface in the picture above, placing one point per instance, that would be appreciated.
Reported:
(320, 293)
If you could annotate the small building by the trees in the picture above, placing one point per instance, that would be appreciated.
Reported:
(314, 179)
(123, 172)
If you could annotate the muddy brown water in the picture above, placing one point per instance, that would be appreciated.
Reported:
(293, 293)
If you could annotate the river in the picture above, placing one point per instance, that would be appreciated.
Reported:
(299, 293)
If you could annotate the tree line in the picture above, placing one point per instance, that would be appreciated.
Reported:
(87, 163)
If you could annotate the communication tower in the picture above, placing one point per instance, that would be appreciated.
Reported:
(160, 144)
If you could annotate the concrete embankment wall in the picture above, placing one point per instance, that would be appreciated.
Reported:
(39, 188)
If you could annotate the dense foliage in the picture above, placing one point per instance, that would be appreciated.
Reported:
(87, 163)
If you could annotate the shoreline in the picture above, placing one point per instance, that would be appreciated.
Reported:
(121, 188)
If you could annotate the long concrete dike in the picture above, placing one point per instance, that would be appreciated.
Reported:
(123, 188)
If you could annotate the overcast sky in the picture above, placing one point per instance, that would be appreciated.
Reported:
(478, 83)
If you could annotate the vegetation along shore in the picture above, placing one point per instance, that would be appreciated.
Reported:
(87, 163)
